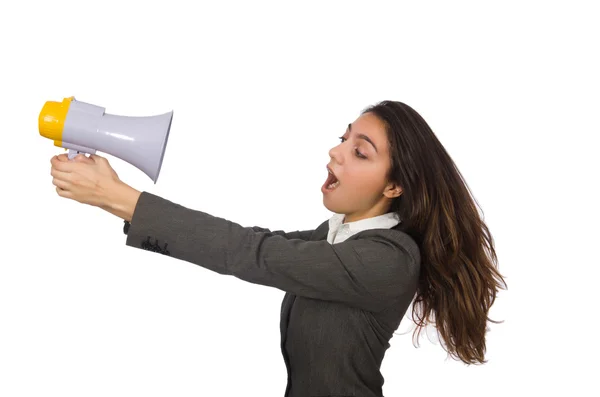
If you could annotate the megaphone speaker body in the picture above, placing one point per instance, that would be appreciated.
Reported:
(140, 141)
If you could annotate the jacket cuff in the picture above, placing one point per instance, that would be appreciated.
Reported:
(146, 230)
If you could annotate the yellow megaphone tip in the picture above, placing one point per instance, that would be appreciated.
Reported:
(52, 118)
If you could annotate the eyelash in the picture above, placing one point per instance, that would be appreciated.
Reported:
(358, 154)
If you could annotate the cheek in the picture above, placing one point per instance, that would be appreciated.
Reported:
(365, 182)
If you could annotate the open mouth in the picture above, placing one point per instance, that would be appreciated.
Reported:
(332, 181)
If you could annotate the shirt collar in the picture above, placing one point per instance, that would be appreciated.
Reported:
(385, 221)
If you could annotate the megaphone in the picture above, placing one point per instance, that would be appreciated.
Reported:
(85, 128)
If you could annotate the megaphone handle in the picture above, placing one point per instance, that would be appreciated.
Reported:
(74, 150)
(72, 153)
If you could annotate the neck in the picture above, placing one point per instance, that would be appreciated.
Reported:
(382, 206)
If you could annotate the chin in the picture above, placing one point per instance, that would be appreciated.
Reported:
(331, 206)
(327, 204)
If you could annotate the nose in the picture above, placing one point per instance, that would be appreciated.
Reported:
(335, 154)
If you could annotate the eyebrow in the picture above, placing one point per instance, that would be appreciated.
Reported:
(363, 136)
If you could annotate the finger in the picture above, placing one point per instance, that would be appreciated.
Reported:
(63, 193)
(66, 166)
(59, 157)
(95, 157)
(65, 176)
(62, 184)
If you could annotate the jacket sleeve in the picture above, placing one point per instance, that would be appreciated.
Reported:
(299, 234)
(369, 273)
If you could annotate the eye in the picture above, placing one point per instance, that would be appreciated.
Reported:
(358, 154)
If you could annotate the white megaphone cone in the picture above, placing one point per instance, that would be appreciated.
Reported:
(85, 128)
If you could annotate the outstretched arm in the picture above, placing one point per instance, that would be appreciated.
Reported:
(367, 272)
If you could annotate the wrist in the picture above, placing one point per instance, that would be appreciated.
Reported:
(122, 201)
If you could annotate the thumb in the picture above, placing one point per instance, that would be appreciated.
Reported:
(82, 158)
(97, 158)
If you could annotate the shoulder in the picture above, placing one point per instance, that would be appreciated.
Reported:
(401, 240)
(393, 244)
(394, 241)
(321, 231)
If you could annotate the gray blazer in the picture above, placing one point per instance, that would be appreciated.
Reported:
(342, 303)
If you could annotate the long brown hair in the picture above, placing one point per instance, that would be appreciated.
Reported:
(459, 277)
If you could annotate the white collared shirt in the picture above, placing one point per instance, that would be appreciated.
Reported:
(339, 231)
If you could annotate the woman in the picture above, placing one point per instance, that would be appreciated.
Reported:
(404, 227)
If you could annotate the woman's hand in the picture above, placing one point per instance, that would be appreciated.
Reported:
(91, 180)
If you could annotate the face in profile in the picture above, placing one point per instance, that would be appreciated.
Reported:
(360, 163)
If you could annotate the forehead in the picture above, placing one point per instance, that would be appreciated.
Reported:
(370, 125)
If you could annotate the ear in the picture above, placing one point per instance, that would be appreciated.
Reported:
(392, 191)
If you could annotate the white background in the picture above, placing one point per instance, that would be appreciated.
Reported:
(261, 91)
